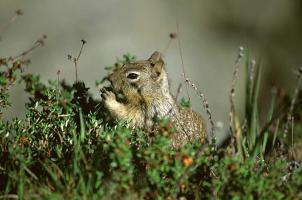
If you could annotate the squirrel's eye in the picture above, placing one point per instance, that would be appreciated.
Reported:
(132, 76)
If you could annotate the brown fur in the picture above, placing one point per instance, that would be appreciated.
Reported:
(145, 87)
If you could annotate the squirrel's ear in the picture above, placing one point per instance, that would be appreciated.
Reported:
(157, 64)
(156, 57)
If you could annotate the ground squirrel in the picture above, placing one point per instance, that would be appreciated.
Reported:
(145, 87)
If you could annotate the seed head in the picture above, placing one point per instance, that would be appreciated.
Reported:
(173, 35)
(19, 12)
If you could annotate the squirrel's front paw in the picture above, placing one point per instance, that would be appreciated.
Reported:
(111, 103)
(107, 95)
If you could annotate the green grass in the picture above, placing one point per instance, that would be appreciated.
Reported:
(68, 148)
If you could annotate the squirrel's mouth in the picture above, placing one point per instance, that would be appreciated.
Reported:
(120, 97)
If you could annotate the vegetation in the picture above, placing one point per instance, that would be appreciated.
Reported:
(68, 148)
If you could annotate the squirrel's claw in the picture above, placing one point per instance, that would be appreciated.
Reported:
(110, 102)
(107, 95)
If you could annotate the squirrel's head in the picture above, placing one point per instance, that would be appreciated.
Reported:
(141, 79)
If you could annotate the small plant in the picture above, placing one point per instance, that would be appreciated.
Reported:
(68, 147)
(76, 59)
(185, 103)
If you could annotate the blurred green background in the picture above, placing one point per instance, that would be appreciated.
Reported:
(210, 31)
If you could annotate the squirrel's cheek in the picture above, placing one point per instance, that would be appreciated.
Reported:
(117, 85)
